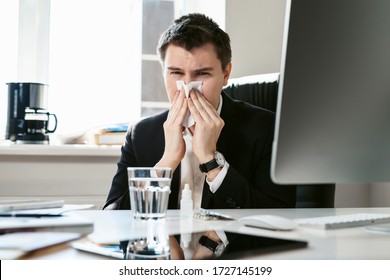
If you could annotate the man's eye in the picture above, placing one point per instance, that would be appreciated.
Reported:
(176, 73)
(203, 73)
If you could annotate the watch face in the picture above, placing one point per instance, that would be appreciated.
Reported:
(215, 247)
(217, 161)
(220, 159)
(219, 250)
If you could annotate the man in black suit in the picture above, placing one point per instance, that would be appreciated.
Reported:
(230, 142)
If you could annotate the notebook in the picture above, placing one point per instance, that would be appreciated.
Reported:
(16, 245)
(13, 205)
(66, 223)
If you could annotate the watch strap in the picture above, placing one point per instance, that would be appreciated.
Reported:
(208, 243)
(208, 166)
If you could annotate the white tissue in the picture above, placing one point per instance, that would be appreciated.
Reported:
(197, 85)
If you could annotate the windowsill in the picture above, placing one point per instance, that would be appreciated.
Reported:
(9, 148)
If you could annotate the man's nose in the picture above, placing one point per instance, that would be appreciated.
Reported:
(188, 79)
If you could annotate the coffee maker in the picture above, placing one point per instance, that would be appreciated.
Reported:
(28, 120)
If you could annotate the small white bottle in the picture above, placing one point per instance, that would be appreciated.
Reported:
(186, 204)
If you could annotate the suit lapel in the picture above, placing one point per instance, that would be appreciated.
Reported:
(228, 115)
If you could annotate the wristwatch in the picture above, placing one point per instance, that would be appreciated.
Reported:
(215, 247)
(217, 161)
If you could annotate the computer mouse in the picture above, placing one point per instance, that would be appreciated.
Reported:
(271, 222)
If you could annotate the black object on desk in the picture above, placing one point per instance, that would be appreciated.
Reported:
(245, 245)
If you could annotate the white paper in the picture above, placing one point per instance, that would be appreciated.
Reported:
(197, 85)
(55, 211)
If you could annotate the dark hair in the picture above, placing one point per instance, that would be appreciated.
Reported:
(195, 30)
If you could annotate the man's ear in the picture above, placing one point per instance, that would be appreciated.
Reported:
(226, 73)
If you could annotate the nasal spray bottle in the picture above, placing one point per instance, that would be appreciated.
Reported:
(186, 208)
(186, 204)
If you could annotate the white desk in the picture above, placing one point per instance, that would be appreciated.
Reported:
(352, 244)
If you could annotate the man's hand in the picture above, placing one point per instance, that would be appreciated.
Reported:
(173, 132)
(176, 251)
(203, 253)
(207, 128)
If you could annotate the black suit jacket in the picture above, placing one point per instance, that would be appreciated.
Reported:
(245, 141)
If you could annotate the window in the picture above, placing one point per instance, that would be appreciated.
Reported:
(154, 98)
(102, 58)
(94, 63)
(9, 14)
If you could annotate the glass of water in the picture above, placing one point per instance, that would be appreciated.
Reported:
(154, 245)
(149, 189)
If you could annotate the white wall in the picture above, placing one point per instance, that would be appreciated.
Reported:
(75, 179)
(256, 30)
(380, 194)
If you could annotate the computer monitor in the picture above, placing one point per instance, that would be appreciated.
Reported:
(333, 111)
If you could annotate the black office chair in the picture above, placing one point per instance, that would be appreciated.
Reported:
(262, 90)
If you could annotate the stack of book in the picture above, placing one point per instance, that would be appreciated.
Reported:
(112, 135)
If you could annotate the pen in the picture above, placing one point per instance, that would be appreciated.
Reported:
(15, 215)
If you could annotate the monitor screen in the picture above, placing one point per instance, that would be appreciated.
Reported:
(333, 111)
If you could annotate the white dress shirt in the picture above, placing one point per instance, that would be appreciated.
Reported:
(191, 174)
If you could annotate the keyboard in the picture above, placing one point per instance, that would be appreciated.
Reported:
(344, 221)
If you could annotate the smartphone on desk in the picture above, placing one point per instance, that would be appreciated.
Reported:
(245, 245)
